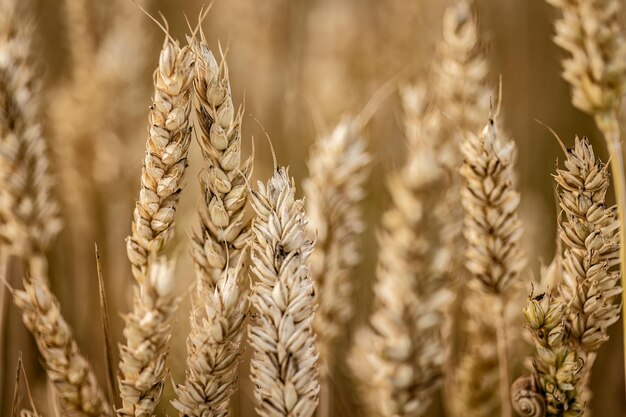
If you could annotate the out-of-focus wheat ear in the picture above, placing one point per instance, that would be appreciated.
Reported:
(218, 249)
(29, 220)
(398, 358)
(147, 328)
(592, 32)
(29, 213)
(463, 94)
(552, 388)
(338, 169)
(82, 36)
(589, 231)
(493, 230)
(284, 365)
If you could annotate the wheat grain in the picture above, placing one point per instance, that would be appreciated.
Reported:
(29, 214)
(589, 231)
(337, 173)
(165, 159)
(284, 365)
(221, 302)
(590, 30)
(551, 390)
(75, 383)
(493, 229)
(399, 367)
(147, 332)
(463, 96)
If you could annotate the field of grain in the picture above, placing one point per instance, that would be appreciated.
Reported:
(296, 208)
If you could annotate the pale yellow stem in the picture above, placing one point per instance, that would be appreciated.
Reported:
(609, 125)
(503, 362)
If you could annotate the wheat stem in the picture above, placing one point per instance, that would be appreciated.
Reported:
(503, 361)
(609, 126)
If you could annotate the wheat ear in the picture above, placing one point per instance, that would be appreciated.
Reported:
(337, 174)
(284, 365)
(551, 390)
(492, 229)
(147, 331)
(218, 249)
(399, 367)
(590, 30)
(590, 232)
(463, 95)
(74, 381)
(29, 220)
(29, 214)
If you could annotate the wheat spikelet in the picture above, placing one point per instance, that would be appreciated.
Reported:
(398, 359)
(463, 96)
(589, 231)
(284, 366)
(493, 231)
(75, 383)
(590, 31)
(492, 227)
(337, 173)
(147, 332)
(29, 214)
(165, 159)
(551, 390)
(461, 76)
(221, 302)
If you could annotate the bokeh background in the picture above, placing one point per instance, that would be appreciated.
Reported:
(300, 65)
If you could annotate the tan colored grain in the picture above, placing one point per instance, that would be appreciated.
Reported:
(589, 231)
(398, 358)
(463, 95)
(551, 390)
(338, 169)
(284, 365)
(147, 328)
(220, 305)
(75, 384)
(493, 231)
(591, 31)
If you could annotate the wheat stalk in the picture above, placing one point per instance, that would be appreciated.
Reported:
(337, 174)
(493, 229)
(590, 260)
(284, 365)
(147, 332)
(478, 397)
(398, 359)
(591, 32)
(218, 250)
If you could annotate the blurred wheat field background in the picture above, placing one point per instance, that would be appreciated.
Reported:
(300, 67)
